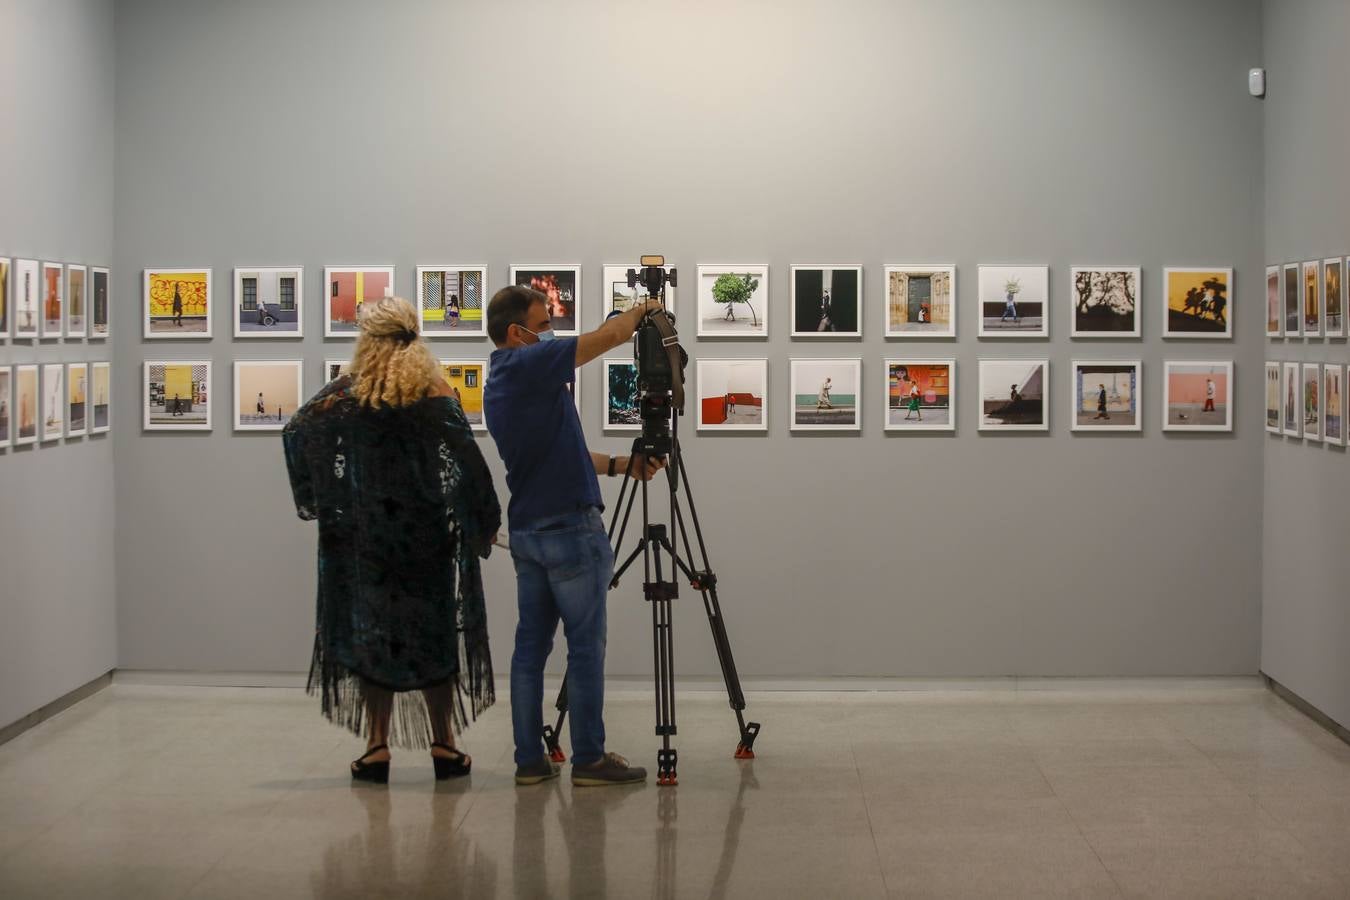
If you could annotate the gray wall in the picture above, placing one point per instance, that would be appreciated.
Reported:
(58, 604)
(1050, 131)
(1306, 619)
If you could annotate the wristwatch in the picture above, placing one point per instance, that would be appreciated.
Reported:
(612, 461)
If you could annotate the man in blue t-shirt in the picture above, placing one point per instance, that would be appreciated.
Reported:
(558, 540)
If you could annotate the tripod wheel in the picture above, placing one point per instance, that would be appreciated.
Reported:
(744, 752)
(557, 755)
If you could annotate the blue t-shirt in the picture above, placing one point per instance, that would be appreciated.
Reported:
(531, 415)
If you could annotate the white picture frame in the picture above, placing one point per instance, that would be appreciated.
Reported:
(1123, 375)
(52, 425)
(1185, 319)
(1000, 410)
(76, 288)
(552, 280)
(1333, 297)
(1312, 407)
(6, 405)
(461, 375)
(1293, 300)
(27, 302)
(160, 412)
(1291, 395)
(1274, 303)
(344, 292)
(820, 391)
(1333, 405)
(575, 389)
(1274, 409)
(6, 297)
(77, 404)
(269, 291)
(52, 326)
(1312, 299)
(617, 296)
(935, 380)
(739, 378)
(840, 300)
(1112, 287)
(607, 418)
(467, 285)
(261, 385)
(712, 321)
(100, 389)
(901, 314)
(332, 368)
(100, 302)
(193, 286)
(1180, 398)
(27, 405)
(1030, 303)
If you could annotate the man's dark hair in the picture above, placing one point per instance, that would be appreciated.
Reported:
(510, 306)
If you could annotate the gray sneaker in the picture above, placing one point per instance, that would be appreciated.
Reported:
(610, 769)
(534, 773)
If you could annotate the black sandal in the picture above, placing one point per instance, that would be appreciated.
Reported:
(376, 772)
(456, 766)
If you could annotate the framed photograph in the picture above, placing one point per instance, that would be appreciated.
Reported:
(920, 395)
(269, 302)
(77, 399)
(920, 301)
(332, 368)
(53, 401)
(1290, 396)
(1198, 396)
(1273, 398)
(176, 395)
(732, 394)
(733, 301)
(1333, 297)
(1312, 402)
(827, 301)
(345, 289)
(1312, 300)
(1014, 395)
(1014, 301)
(826, 394)
(27, 290)
(77, 321)
(100, 379)
(617, 296)
(1293, 307)
(1333, 405)
(1274, 321)
(177, 303)
(25, 404)
(1105, 301)
(267, 393)
(1196, 303)
(1106, 395)
(100, 321)
(6, 295)
(562, 286)
(621, 396)
(452, 301)
(466, 378)
(6, 394)
(53, 301)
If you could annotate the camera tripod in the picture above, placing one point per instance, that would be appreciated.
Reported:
(656, 542)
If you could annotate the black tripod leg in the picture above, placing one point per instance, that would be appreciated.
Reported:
(663, 654)
(552, 732)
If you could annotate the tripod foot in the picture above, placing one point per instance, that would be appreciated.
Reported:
(744, 752)
(557, 755)
(667, 780)
(665, 767)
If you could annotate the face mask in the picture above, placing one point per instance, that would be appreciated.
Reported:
(543, 336)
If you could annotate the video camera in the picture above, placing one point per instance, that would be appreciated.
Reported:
(660, 360)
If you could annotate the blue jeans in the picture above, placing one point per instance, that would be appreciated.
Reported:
(563, 568)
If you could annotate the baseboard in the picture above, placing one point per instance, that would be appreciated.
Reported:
(65, 701)
(1307, 708)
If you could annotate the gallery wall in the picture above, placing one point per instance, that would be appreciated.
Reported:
(58, 602)
(1058, 132)
(1306, 618)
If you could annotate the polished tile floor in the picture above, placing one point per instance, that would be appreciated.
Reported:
(1206, 790)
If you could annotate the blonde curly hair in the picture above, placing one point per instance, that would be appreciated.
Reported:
(392, 366)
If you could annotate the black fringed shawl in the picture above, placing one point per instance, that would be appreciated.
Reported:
(406, 507)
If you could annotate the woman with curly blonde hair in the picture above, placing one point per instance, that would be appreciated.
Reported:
(385, 460)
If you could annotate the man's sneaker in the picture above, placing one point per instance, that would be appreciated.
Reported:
(611, 769)
(537, 772)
